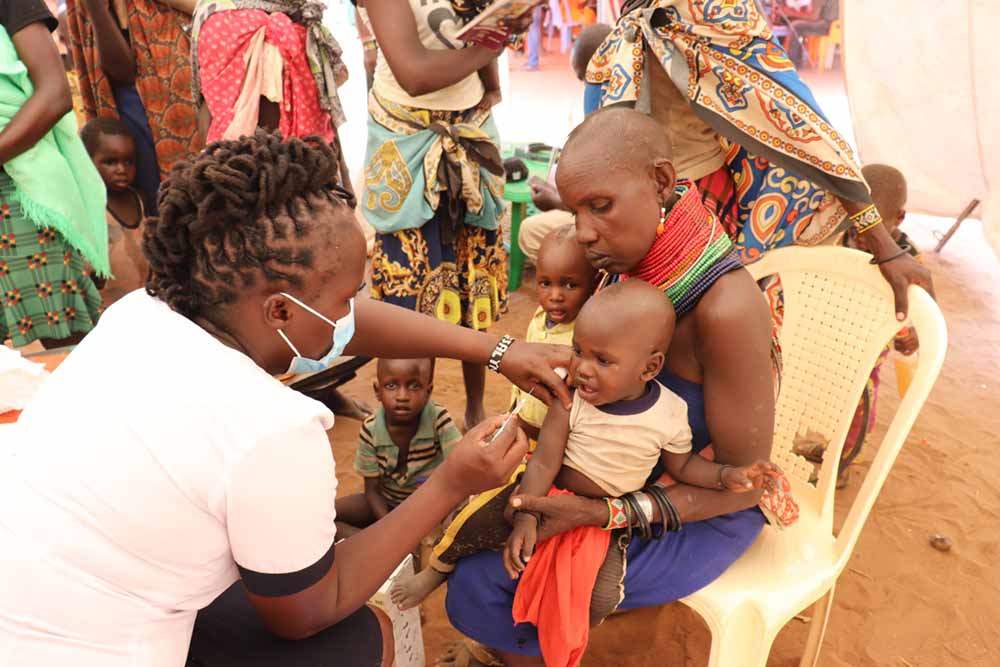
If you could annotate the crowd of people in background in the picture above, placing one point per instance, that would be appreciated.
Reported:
(200, 194)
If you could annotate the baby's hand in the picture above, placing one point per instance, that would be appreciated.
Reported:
(521, 544)
(906, 341)
(491, 98)
(747, 478)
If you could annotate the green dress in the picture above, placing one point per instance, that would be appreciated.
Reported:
(46, 290)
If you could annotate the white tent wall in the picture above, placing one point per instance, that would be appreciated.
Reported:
(924, 97)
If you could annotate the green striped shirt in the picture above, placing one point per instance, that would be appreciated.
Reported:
(378, 455)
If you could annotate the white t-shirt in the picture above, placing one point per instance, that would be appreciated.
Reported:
(152, 470)
(617, 445)
(436, 26)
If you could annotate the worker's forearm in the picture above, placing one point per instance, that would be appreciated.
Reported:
(388, 331)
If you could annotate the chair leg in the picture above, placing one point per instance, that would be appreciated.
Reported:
(742, 638)
(817, 629)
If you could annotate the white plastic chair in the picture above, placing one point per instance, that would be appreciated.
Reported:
(562, 18)
(839, 316)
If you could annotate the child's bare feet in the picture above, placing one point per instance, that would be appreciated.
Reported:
(345, 406)
(410, 592)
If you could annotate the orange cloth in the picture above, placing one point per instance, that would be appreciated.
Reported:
(555, 590)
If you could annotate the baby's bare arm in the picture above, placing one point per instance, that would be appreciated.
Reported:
(691, 469)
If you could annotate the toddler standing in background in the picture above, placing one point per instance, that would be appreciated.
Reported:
(112, 148)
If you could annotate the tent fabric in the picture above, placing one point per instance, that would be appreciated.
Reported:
(924, 98)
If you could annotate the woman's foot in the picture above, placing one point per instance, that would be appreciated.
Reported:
(409, 593)
(345, 406)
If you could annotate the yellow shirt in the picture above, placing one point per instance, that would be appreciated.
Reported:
(534, 410)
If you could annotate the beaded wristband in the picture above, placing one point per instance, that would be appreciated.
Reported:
(866, 218)
(617, 517)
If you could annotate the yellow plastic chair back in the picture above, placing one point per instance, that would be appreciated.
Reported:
(839, 316)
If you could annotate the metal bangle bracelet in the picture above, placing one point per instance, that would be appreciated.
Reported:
(666, 516)
(902, 251)
(645, 530)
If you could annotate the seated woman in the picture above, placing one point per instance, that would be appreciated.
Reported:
(635, 219)
(210, 478)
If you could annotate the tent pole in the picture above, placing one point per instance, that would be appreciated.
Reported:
(958, 221)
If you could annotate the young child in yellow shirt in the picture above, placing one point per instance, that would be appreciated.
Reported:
(565, 281)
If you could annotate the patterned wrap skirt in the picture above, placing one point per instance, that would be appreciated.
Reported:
(463, 282)
(425, 169)
(45, 286)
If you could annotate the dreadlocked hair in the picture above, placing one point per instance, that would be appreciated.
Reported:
(233, 216)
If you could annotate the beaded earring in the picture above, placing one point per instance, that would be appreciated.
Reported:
(662, 227)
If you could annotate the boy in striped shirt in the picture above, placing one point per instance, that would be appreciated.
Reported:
(401, 444)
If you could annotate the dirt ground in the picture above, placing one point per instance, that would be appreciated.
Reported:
(899, 602)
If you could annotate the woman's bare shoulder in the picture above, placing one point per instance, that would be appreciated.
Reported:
(735, 302)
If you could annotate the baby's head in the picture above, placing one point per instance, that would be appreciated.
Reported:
(620, 341)
(615, 174)
(112, 149)
(565, 277)
(403, 387)
(888, 186)
(587, 42)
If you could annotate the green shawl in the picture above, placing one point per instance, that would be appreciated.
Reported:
(56, 183)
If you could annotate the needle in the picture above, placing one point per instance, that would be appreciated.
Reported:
(513, 413)
(561, 372)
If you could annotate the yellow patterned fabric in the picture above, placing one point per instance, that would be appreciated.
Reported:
(463, 281)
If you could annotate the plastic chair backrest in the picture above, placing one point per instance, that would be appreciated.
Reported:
(839, 314)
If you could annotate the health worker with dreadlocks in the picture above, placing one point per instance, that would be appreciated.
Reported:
(115, 532)
(271, 64)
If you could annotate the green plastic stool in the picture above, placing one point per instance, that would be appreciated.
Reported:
(519, 195)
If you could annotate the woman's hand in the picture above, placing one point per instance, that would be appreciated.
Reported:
(491, 98)
(531, 366)
(521, 544)
(543, 195)
(477, 464)
(518, 25)
(906, 342)
(563, 512)
(900, 272)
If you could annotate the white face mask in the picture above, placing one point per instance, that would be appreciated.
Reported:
(343, 332)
